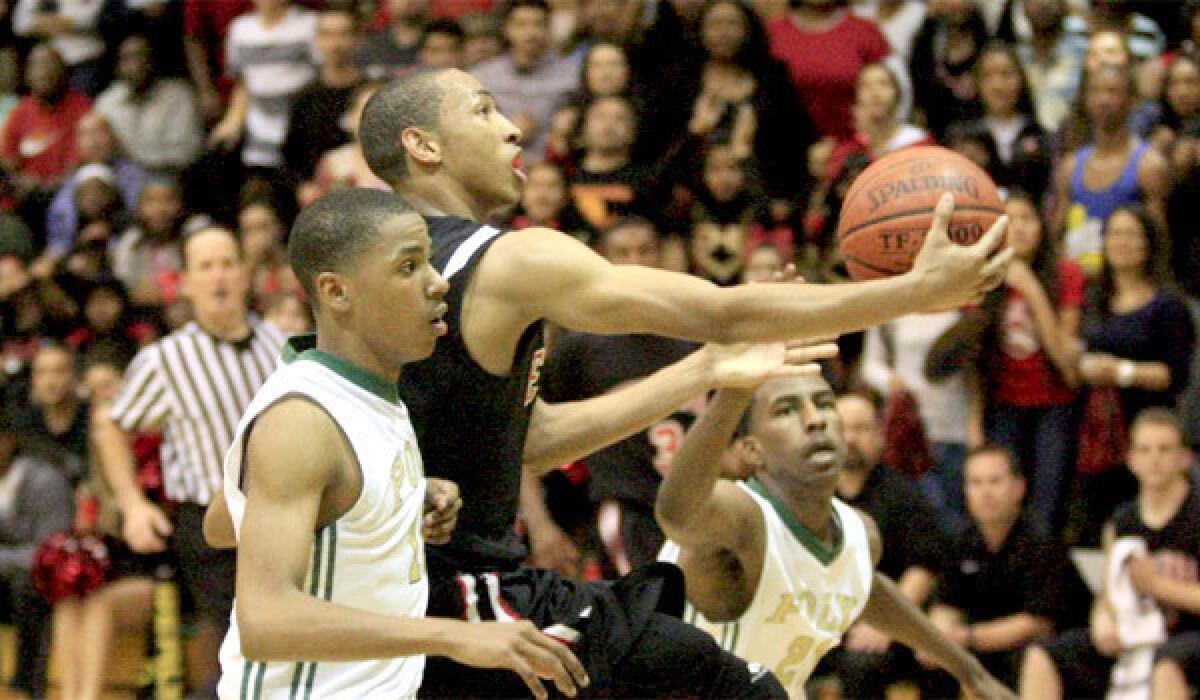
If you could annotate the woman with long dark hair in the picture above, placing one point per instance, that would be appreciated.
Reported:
(1140, 338)
(1180, 103)
(738, 72)
(1024, 398)
(1010, 118)
(1138, 330)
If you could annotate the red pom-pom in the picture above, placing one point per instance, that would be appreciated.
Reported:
(70, 565)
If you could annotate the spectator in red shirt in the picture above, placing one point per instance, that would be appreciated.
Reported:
(825, 47)
(205, 25)
(39, 138)
(1027, 365)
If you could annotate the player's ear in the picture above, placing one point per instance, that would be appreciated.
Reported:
(421, 146)
(331, 291)
(752, 454)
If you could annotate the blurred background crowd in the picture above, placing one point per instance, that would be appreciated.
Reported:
(712, 137)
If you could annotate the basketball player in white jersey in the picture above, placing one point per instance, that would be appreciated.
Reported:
(777, 568)
(325, 485)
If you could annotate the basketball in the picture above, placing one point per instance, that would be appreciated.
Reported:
(890, 206)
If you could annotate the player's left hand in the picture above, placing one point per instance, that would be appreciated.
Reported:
(745, 366)
(442, 504)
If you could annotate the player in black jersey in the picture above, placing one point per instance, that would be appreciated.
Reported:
(438, 140)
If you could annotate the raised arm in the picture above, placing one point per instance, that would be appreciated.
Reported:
(537, 273)
(563, 432)
(293, 455)
(692, 507)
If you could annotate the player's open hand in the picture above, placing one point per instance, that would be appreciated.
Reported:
(956, 275)
(526, 650)
(442, 504)
(745, 366)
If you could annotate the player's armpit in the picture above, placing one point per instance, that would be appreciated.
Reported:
(874, 538)
(218, 524)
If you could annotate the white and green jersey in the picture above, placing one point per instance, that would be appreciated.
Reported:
(371, 558)
(808, 593)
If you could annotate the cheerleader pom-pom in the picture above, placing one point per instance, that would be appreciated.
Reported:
(70, 565)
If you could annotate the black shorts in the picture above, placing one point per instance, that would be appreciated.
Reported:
(205, 575)
(609, 617)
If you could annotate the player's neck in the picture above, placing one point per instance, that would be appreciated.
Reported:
(811, 504)
(437, 196)
(351, 349)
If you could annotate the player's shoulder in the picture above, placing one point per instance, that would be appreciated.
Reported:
(874, 536)
(296, 431)
(743, 511)
(537, 254)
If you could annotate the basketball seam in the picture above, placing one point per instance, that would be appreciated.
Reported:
(914, 212)
(871, 266)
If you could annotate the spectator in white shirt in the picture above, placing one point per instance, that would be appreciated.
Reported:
(156, 119)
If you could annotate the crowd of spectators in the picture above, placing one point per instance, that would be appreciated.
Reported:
(710, 137)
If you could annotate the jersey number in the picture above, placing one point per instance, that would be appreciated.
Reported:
(797, 652)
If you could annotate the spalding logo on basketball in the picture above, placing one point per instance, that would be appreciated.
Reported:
(890, 207)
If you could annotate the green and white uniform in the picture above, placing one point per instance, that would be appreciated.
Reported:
(371, 558)
(808, 594)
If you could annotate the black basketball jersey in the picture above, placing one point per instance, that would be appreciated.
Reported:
(1180, 534)
(471, 424)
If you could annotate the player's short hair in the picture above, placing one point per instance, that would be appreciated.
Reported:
(412, 101)
(991, 448)
(1159, 416)
(332, 233)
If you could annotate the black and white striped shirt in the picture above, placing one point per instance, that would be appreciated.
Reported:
(196, 386)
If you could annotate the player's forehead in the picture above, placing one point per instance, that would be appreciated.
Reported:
(403, 234)
(805, 388)
(461, 89)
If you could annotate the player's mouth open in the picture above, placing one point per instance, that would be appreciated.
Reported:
(438, 322)
(823, 457)
(516, 166)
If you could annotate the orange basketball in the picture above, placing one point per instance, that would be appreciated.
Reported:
(890, 206)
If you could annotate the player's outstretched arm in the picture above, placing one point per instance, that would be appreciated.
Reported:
(538, 273)
(563, 432)
(892, 613)
(693, 507)
(292, 456)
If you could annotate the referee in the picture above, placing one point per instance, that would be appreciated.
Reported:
(193, 385)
